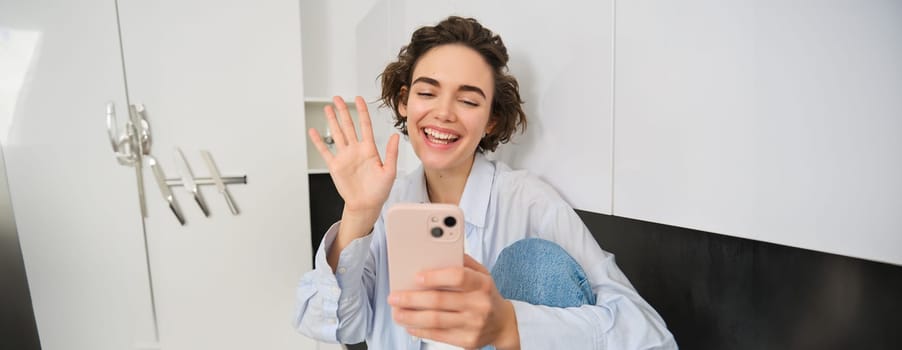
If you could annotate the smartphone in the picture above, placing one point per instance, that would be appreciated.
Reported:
(422, 237)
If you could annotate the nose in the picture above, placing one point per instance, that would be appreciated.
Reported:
(444, 109)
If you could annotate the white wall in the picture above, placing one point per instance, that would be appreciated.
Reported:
(771, 120)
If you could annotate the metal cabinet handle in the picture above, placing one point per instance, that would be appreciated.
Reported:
(132, 144)
(135, 140)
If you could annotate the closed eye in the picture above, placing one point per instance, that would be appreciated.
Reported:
(470, 103)
(425, 94)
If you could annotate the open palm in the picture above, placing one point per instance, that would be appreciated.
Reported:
(361, 177)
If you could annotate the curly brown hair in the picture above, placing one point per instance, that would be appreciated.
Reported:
(507, 114)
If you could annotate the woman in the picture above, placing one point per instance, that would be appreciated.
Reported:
(551, 285)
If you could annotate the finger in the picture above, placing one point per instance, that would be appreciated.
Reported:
(391, 152)
(347, 124)
(320, 145)
(428, 300)
(337, 135)
(366, 124)
(428, 318)
(454, 278)
(475, 265)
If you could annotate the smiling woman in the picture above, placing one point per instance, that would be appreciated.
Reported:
(533, 275)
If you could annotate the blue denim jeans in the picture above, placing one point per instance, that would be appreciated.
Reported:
(540, 272)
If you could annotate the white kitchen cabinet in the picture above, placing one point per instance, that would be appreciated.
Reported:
(766, 120)
(223, 77)
(76, 209)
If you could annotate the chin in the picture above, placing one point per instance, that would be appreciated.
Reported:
(442, 162)
(434, 162)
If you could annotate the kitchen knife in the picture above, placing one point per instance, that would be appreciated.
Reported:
(188, 181)
(164, 188)
(217, 179)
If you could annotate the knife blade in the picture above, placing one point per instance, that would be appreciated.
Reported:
(164, 188)
(188, 180)
(217, 179)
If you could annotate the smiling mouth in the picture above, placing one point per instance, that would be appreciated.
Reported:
(438, 137)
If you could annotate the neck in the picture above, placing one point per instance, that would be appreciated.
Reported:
(447, 185)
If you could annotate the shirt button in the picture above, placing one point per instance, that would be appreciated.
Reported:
(342, 270)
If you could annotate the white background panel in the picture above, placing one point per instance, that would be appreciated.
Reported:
(769, 120)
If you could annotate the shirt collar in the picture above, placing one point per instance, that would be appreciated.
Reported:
(478, 191)
(475, 200)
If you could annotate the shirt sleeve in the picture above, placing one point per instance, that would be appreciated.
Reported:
(620, 318)
(336, 307)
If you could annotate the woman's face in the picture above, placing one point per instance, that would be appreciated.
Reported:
(448, 106)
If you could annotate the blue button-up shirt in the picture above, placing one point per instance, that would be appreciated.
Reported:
(500, 206)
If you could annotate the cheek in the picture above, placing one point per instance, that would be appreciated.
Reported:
(415, 113)
(480, 122)
(413, 118)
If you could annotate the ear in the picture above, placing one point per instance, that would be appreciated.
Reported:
(491, 125)
(402, 102)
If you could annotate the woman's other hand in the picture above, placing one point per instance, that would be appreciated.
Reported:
(361, 177)
(460, 306)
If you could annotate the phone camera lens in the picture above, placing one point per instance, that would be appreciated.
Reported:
(437, 232)
(450, 221)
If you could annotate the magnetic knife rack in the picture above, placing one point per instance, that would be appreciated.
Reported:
(208, 181)
(132, 147)
(169, 197)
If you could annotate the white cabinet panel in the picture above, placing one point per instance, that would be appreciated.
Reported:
(75, 207)
(344, 47)
(772, 120)
(561, 53)
(225, 77)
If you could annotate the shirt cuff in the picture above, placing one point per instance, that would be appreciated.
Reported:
(350, 261)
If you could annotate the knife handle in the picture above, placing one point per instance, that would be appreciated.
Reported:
(228, 199)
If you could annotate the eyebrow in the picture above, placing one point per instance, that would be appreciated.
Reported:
(435, 83)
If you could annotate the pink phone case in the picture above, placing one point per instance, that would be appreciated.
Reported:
(414, 243)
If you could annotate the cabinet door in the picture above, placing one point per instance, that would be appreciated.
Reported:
(731, 119)
(224, 77)
(75, 207)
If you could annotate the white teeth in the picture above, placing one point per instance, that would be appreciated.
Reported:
(440, 136)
